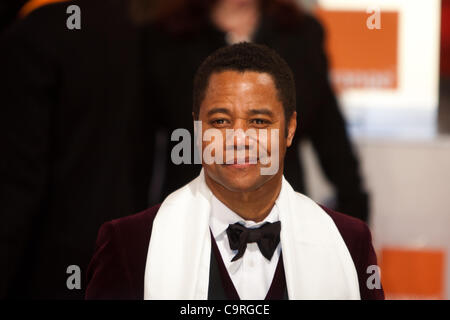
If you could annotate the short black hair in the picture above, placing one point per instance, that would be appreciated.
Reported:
(243, 57)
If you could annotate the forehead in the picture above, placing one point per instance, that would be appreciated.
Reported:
(240, 88)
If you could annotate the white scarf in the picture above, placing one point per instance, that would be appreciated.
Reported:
(316, 260)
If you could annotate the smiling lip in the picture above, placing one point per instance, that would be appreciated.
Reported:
(245, 164)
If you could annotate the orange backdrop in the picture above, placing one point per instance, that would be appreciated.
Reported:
(361, 57)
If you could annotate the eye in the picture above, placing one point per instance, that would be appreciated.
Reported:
(259, 121)
(218, 122)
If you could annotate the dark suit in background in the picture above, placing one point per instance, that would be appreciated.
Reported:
(75, 141)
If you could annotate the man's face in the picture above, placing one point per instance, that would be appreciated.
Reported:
(242, 101)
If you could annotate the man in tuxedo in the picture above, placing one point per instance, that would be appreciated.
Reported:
(239, 230)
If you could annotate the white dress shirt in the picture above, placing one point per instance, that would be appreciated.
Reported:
(252, 274)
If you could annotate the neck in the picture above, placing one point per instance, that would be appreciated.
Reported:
(238, 20)
(252, 205)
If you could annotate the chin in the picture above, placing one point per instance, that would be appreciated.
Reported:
(242, 185)
(238, 179)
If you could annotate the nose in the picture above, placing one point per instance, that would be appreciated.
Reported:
(240, 124)
(240, 138)
(236, 138)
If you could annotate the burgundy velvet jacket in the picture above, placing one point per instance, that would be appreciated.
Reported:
(117, 268)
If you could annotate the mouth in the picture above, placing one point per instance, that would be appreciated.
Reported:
(242, 163)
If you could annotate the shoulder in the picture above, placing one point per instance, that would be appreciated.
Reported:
(351, 228)
(135, 222)
(312, 25)
(307, 27)
(132, 231)
(301, 45)
(358, 239)
(355, 232)
(120, 254)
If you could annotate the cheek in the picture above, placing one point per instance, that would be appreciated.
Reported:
(274, 142)
(212, 147)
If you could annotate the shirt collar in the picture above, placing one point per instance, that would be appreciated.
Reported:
(222, 217)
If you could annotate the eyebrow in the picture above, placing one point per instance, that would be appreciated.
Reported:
(261, 111)
(251, 111)
(218, 110)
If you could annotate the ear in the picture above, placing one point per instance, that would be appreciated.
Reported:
(292, 126)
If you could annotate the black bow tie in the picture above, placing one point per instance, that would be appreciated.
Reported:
(267, 237)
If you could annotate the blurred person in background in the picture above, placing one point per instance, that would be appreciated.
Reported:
(180, 34)
(75, 142)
